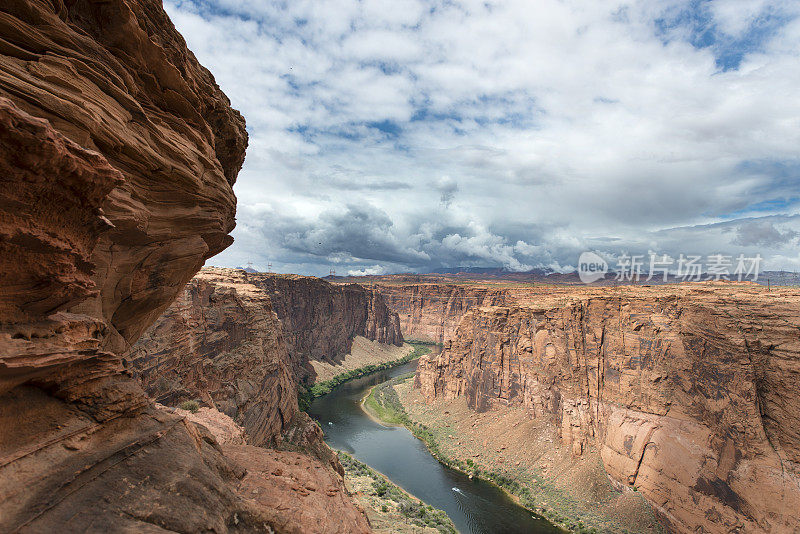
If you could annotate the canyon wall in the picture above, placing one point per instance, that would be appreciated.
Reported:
(220, 342)
(118, 153)
(242, 342)
(686, 393)
(431, 312)
(321, 319)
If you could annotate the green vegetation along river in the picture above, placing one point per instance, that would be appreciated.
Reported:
(474, 506)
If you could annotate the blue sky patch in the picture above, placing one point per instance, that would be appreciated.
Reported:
(695, 23)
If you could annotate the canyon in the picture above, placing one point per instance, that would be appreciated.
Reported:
(685, 393)
(118, 156)
(222, 344)
(244, 343)
(682, 393)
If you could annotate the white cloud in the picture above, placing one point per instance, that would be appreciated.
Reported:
(735, 16)
(556, 125)
(368, 271)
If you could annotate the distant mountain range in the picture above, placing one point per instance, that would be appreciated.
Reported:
(777, 278)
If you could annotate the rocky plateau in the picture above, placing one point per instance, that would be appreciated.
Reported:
(431, 312)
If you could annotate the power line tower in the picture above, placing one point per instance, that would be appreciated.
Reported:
(250, 265)
(332, 272)
(269, 267)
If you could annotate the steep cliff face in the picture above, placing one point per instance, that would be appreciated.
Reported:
(687, 393)
(321, 319)
(431, 312)
(242, 342)
(118, 153)
(222, 343)
(117, 79)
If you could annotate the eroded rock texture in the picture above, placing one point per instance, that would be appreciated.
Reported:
(431, 312)
(291, 488)
(241, 342)
(117, 157)
(688, 393)
(220, 342)
(321, 319)
(115, 82)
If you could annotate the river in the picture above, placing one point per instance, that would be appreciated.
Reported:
(474, 506)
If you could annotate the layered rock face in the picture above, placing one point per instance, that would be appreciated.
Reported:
(431, 312)
(289, 488)
(688, 393)
(321, 319)
(117, 156)
(242, 342)
(222, 343)
(116, 78)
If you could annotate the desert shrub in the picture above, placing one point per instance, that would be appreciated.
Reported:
(380, 487)
(304, 398)
(190, 406)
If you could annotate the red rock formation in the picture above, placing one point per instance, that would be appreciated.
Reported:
(114, 78)
(321, 319)
(118, 153)
(431, 312)
(297, 495)
(688, 393)
(222, 343)
(46, 253)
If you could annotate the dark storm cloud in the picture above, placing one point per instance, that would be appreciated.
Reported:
(762, 233)
(365, 239)
(360, 231)
(363, 235)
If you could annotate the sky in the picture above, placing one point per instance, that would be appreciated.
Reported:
(407, 136)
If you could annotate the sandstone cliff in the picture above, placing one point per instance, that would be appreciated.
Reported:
(688, 393)
(431, 312)
(222, 343)
(321, 319)
(289, 488)
(118, 154)
(242, 342)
